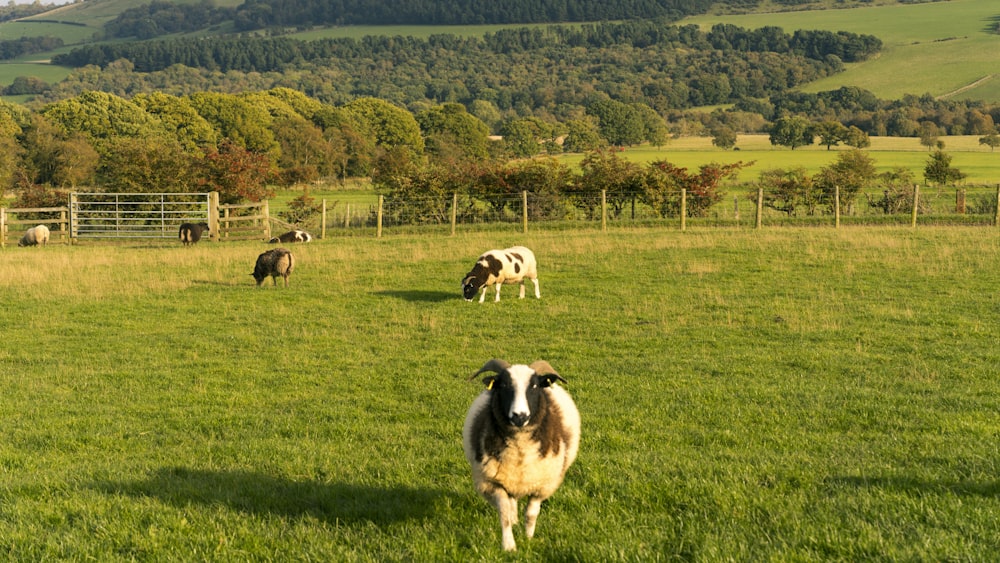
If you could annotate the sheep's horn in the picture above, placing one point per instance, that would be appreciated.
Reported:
(496, 365)
(542, 367)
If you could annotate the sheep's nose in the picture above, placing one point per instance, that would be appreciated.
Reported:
(518, 419)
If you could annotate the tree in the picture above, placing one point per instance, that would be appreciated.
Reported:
(663, 182)
(619, 123)
(830, 133)
(857, 138)
(583, 136)
(991, 140)
(238, 120)
(390, 124)
(102, 117)
(789, 190)
(238, 174)
(305, 153)
(146, 164)
(939, 170)
(791, 132)
(853, 172)
(449, 128)
(180, 119)
(604, 170)
(724, 138)
(928, 134)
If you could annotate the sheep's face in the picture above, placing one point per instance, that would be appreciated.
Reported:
(471, 286)
(517, 393)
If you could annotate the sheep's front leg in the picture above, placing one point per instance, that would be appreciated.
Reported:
(538, 294)
(499, 285)
(531, 515)
(521, 296)
(507, 508)
(483, 296)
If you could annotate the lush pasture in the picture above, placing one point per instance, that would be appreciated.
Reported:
(788, 394)
(981, 165)
(934, 47)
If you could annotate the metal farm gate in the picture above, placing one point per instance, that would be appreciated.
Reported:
(156, 215)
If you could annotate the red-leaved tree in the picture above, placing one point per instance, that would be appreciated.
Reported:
(237, 173)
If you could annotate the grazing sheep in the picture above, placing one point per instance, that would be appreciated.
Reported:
(275, 262)
(38, 234)
(520, 436)
(499, 267)
(292, 236)
(190, 233)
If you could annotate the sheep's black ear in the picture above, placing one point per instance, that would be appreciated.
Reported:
(550, 378)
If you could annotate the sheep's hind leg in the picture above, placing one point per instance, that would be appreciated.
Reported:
(538, 294)
(531, 516)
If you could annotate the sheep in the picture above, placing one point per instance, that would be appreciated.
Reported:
(499, 267)
(292, 236)
(275, 262)
(38, 234)
(190, 233)
(520, 436)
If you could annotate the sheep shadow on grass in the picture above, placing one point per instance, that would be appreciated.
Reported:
(258, 493)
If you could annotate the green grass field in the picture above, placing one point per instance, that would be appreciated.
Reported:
(934, 47)
(787, 394)
(978, 162)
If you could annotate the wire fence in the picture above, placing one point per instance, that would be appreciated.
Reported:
(737, 207)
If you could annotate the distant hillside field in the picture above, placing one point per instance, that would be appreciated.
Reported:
(941, 48)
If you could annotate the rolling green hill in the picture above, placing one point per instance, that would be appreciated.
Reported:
(941, 48)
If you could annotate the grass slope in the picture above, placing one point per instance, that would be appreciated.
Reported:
(796, 394)
(935, 47)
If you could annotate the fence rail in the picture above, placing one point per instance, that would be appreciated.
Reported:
(975, 205)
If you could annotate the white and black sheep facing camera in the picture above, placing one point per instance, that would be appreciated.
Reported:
(497, 267)
(520, 436)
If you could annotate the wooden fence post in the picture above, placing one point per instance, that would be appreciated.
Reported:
(736, 209)
(347, 217)
(213, 216)
(3, 227)
(960, 201)
(760, 206)
(524, 210)
(322, 224)
(996, 211)
(378, 228)
(454, 212)
(916, 202)
(684, 209)
(836, 207)
(604, 210)
(267, 220)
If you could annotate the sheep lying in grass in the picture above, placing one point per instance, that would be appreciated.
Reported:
(497, 267)
(190, 233)
(275, 262)
(520, 436)
(35, 235)
(292, 236)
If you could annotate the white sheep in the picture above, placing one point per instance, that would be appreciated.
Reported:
(520, 436)
(498, 267)
(35, 235)
(292, 236)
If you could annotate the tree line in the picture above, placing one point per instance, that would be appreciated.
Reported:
(662, 66)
